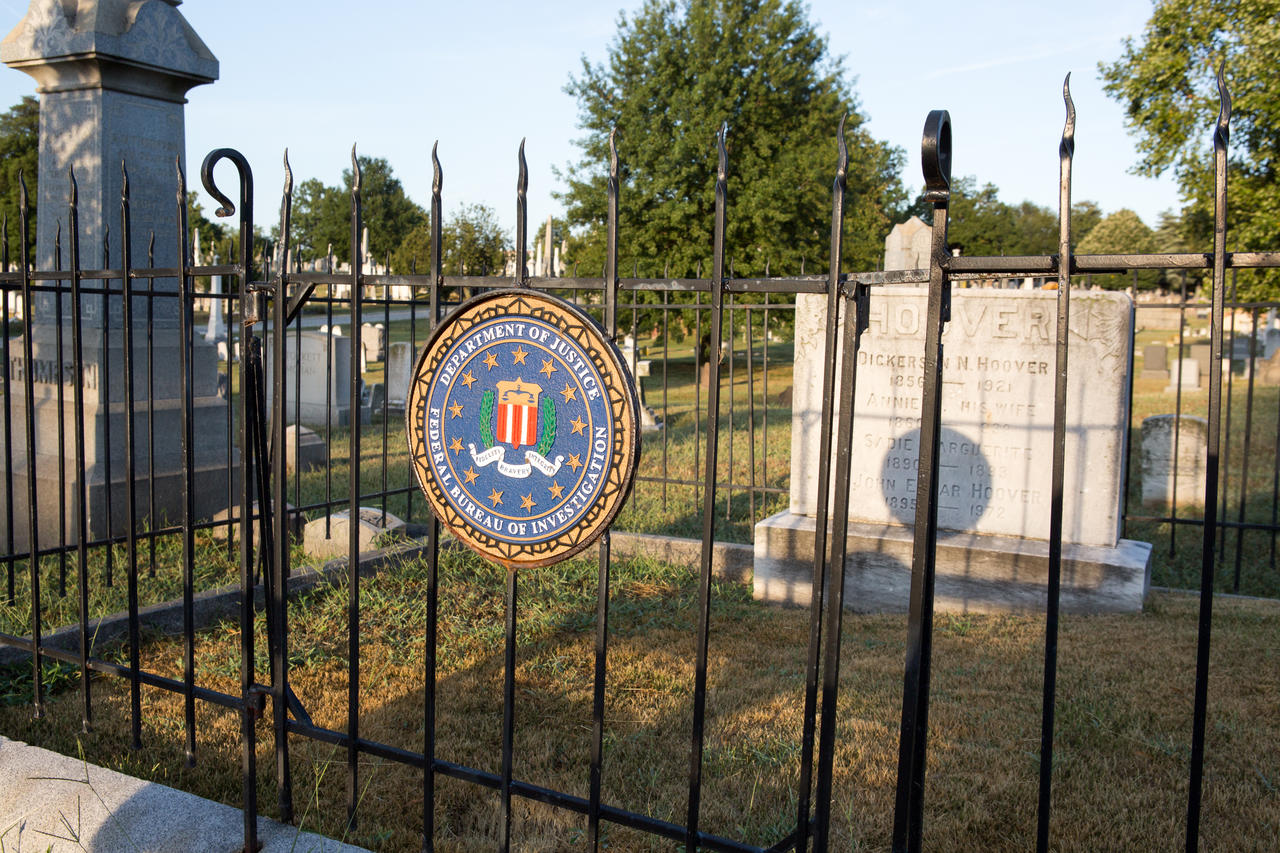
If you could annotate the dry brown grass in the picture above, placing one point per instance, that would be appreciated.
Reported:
(1124, 714)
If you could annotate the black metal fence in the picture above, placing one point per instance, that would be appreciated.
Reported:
(270, 303)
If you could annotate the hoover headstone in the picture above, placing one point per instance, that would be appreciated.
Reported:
(996, 441)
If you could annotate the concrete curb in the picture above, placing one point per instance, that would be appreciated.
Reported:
(51, 802)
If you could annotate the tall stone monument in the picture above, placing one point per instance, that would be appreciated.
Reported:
(112, 77)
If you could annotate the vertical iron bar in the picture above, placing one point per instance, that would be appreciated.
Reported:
(728, 491)
(838, 544)
(508, 708)
(328, 400)
(9, 559)
(709, 495)
(1201, 707)
(62, 420)
(1177, 426)
(279, 480)
(130, 461)
(751, 420)
(186, 360)
(105, 354)
(1066, 150)
(248, 316)
(353, 504)
(151, 415)
(82, 488)
(28, 382)
(602, 590)
(824, 486)
(909, 807)
(433, 531)
(666, 421)
(1226, 438)
(1244, 455)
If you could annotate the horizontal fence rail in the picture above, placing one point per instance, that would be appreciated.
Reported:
(707, 466)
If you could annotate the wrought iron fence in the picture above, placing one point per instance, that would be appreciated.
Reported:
(270, 303)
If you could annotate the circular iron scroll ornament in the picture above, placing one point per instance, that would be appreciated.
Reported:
(522, 427)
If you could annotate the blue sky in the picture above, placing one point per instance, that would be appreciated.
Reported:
(394, 76)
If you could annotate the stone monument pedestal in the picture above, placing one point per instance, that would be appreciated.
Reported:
(975, 573)
(105, 411)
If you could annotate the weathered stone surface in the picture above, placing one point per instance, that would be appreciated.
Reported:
(997, 412)
(975, 574)
(307, 399)
(1174, 457)
(222, 530)
(907, 246)
(304, 449)
(1186, 372)
(1155, 362)
(400, 358)
(370, 522)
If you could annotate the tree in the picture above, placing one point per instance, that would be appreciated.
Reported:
(1166, 82)
(473, 243)
(20, 153)
(1123, 232)
(979, 223)
(674, 74)
(322, 214)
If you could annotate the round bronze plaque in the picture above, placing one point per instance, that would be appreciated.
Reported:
(521, 419)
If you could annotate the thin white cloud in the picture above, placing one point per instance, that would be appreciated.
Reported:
(1015, 59)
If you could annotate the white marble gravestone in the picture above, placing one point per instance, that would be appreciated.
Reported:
(400, 357)
(307, 399)
(996, 445)
(1174, 457)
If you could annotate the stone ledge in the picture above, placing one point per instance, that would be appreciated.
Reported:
(975, 573)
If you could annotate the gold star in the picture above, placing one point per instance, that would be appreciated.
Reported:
(455, 410)
(556, 490)
(490, 360)
(468, 379)
(547, 367)
(575, 462)
(471, 475)
(578, 425)
(455, 445)
(568, 393)
(495, 497)
(526, 502)
(519, 355)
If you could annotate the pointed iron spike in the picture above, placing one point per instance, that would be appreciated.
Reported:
(522, 182)
(613, 151)
(437, 177)
(288, 174)
(666, 268)
(1222, 132)
(842, 161)
(75, 190)
(766, 267)
(124, 180)
(22, 190)
(355, 170)
(1068, 147)
(151, 249)
(722, 172)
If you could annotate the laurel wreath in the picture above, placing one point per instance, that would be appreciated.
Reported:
(547, 434)
(486, 419)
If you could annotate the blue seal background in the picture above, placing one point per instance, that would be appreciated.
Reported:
(537, 507)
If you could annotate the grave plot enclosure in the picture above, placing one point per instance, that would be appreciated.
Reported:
(899, 399)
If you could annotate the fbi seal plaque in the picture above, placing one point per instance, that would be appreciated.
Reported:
(521, 420)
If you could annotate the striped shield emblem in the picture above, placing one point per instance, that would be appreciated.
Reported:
(517, 413)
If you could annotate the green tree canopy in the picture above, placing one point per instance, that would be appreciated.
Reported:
(1123, 232)
(1166, 82)
(19, 152)
(473, 241)
(979, 223)
(322, 214)
(674, 73)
